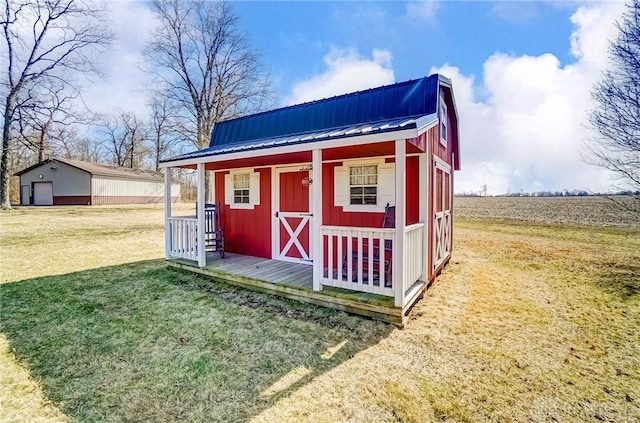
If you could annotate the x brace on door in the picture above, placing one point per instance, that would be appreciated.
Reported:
(293, 240)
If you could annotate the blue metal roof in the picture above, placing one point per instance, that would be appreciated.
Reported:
(404, 105)
(321, 135)
(405, 99)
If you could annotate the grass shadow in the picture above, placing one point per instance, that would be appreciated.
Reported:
(140, 342)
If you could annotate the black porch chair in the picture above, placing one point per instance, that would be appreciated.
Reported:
(213, 232)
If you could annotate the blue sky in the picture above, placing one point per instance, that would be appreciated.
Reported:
(521, 72)
(295, 36)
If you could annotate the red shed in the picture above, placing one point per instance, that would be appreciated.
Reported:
(344, 202)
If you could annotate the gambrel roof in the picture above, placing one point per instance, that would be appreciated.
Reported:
(405, 105)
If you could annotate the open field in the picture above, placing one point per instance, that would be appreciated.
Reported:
(529, 322)
(589, 211)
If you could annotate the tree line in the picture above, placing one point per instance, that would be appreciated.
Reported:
(203, 69)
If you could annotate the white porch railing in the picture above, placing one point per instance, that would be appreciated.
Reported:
(414, 255)
(183, 244)
(358, 259)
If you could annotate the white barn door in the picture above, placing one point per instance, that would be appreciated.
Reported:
(442, 203)
(293, 216)
(43, 193)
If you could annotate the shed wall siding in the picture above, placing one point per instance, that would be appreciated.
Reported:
(67, 180)
(107, 190)
(247, 231)
(335, 216)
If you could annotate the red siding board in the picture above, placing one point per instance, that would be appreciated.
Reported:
(413, 190)
(247, 232)
(71, 200)
(258, 160)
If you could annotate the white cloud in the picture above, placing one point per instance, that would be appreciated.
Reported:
(423, 9)
(132, 23)
(346, 71)
(528, 133)
(516, 12)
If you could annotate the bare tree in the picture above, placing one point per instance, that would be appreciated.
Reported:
(123, 137)
(44, 40)
(46, 119)
(204, 65)
(71, 146)
(616, 116)
(163, 130)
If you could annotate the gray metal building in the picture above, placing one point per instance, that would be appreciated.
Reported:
(64, 182)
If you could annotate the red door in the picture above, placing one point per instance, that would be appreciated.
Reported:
(293, 217)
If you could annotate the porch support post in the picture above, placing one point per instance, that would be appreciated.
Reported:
(398, 241)
(316, 235)
(167, 212)
(423, 212)
(202, 254)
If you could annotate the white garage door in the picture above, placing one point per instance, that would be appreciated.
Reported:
(43, 193)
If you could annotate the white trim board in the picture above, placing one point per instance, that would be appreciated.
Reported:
(297, 148)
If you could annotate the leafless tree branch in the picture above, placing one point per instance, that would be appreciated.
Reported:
(615, 118)
(47, 41)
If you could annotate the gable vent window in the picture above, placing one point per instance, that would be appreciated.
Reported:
(241, 188)
(363, 184)
(443, 119)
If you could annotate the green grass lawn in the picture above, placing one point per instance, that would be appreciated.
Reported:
(530, 322)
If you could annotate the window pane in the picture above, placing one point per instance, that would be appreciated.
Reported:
(356, 200)
(370, 170)
(241, 196)
(356, 191)
(370, 190)
(241, 181)
(369, 199)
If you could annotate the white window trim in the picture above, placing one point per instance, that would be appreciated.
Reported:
(380, 201)
(254, 189)
(443, 115)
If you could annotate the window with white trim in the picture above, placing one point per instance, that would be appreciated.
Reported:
(363, 184)
(241, 188)
(443, 119)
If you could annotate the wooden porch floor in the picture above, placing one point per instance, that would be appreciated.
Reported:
(293, 281)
